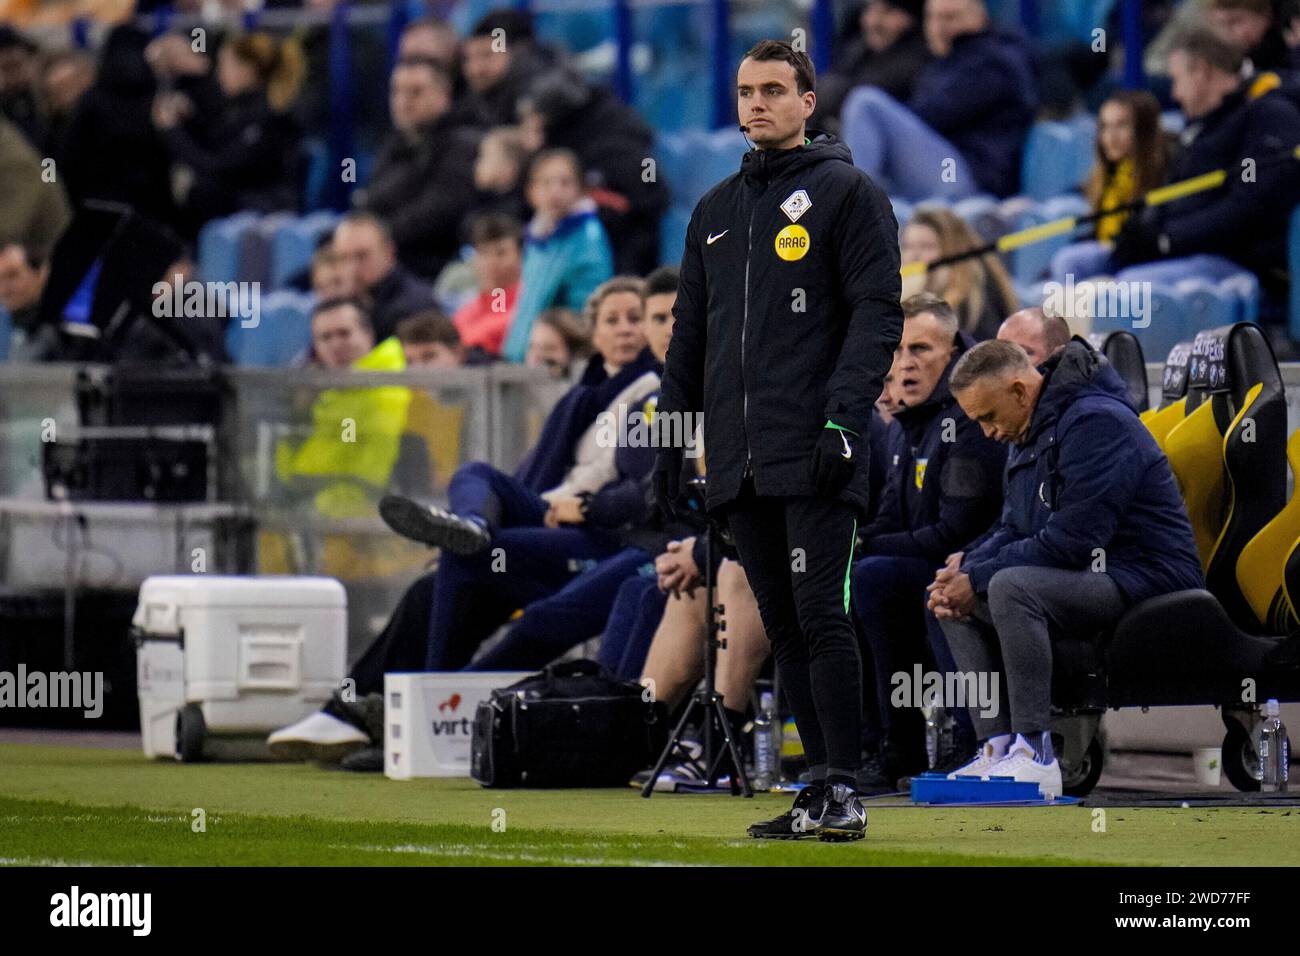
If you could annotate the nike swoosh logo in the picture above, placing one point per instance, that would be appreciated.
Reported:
(848, 449)
(712, 238)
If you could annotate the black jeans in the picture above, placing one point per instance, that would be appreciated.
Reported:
(796, 554)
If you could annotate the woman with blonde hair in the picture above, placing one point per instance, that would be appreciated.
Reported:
(979, 289)
(232, 143)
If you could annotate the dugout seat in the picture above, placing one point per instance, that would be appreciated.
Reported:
(1124, 352)
(1198, 647)
(1173, 395)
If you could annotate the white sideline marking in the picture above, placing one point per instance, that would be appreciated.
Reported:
(485, 850)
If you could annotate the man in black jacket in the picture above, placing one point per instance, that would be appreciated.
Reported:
(1241, 224)
(787, 316)
(423, 183)
(365, 249)
(943, 488)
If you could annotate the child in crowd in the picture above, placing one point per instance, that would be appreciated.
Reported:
(566, 251)
(498, 258)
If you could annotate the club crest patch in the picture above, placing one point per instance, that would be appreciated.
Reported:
(792, 243)
(920, 471)
(796, 204)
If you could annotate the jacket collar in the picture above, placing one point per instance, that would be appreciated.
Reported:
(765, 165)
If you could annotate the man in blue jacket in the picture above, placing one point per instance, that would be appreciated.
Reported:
(1092, 523)
(964, 128)
(943, 488)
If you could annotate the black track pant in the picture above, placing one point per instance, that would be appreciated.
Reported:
(796, 554)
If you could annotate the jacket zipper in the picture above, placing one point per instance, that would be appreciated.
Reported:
(744, 321)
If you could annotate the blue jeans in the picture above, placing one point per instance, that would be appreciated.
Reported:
(579, 610)
(475, 594)
(1083, 260)
(899, 151)
(1172, 271)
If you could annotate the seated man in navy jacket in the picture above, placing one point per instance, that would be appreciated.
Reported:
(1092, 523)
(943, 487)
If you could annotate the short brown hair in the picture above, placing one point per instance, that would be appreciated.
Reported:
(1263, 7)
(994, 357)
(1201, 43)
(430, 327)
(492, 226)
(360, 305)
(927, 303)
(804, 72)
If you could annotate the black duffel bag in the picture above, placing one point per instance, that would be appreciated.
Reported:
(572, 725)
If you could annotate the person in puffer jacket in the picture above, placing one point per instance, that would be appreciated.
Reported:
(1092, 523)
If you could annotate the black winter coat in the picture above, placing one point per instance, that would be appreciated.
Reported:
(785, 317)
(943, 484)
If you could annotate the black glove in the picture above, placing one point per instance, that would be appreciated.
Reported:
(834, 460)
(668, 479)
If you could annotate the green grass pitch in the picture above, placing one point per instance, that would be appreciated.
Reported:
(72, 805)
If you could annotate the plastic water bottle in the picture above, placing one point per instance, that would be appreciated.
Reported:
(1274, 750)
(766, 771)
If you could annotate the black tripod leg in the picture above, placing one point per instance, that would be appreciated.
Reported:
(737, 764)
(673, 743)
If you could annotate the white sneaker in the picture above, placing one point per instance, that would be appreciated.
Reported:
(979, 767)
(317, 737)
(1020, 764)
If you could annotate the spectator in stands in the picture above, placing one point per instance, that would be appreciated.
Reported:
(111, 150)
(1242, 224)
(1131, 159)
(368, 256)
(22, 280)
(566, 251)
(624, 506)
(963, 129)
(500, 59)
(888, 403)
(943, 488)
(19, 102)
(422, 184)
(1093, 523)
(246, 156)
(979, 289)
(429, 340)
(329, 280)
(33, 208)
(570, 459)
(558, 341)
(888, 53)
(1039, 334)
(1254, 29)
(499, 173)
(498, 258)
(430, 38)
(560, 110)
(343, 470)
(65, 76)
(535, 519)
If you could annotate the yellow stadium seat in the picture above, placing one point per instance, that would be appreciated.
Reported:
(1264, 561)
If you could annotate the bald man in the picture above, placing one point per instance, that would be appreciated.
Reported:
(1040, 335)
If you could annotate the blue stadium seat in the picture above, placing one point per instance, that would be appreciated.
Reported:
(1169, 322)
(1031, 262)
(902, 210)
(1244, 288)
(219, 247)
(317, 175)
(294, 242)
(672, 234)
(6, 333)
(255, 252)
(1206, 305)
(282, 333)
(1293, 258)
(1056, 159)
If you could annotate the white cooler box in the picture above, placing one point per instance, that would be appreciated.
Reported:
(429, 720)
(225, 660)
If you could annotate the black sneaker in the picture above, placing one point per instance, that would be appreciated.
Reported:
(801, 820)
(874, 777)
(843, 818)
(433, 526)
(369, 760)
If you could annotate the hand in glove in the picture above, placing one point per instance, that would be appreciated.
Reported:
(668, 479)
(834, 460)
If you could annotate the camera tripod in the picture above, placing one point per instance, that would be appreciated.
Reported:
(706, 703)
